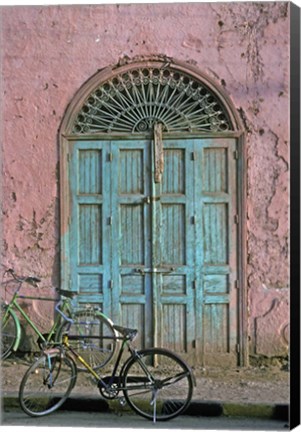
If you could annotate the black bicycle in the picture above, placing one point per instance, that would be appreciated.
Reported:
(156, 383)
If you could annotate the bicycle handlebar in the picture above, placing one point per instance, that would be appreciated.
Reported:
(70, 320)
(32, 280)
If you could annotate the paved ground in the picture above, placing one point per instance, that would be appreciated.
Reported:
(243, 385)
(253, 392)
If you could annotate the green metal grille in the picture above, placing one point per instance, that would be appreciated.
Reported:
(133, 101)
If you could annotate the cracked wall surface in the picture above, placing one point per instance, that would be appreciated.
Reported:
(49, 52)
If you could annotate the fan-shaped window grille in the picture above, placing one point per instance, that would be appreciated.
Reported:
(133, 101)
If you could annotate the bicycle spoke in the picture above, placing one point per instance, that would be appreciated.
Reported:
(8, 333)
(175, 378)
(92, 336)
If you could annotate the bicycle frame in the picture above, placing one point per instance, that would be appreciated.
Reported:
(125, 343)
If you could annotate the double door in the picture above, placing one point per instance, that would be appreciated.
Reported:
(158, 254)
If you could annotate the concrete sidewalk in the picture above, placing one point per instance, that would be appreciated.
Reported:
(198, 408)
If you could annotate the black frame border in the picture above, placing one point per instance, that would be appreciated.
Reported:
(294, 215)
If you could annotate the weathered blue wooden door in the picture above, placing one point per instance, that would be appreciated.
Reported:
(131, 236)
(174, 249)
(153, 243)
(89, 243)
(216, 288)
(159, 256)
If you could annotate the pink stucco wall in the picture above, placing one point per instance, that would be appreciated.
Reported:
(49, 52)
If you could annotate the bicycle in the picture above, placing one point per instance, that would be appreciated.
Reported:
(155, 382)
(88, 322)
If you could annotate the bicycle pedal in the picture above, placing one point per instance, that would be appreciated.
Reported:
(122, 401)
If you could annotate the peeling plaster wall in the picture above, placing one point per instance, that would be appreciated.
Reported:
(49, 52)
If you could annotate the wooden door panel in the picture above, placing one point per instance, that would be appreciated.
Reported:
(173, 180)
(216, 263)
(90, 170)
(89, 234)
(132, 227)
(130, 187)
(215, 170)
(174, 257)
(131, 171)
(216, 319)
(215, 233)
(174, 327)
(173, 248)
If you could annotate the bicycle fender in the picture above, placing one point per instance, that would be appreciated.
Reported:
(131, 358)
(57, 351)
(50, 351)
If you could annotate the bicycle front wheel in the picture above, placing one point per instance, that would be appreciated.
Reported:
(8, 332)
(158, 384)
(92, 336)
(47, 384)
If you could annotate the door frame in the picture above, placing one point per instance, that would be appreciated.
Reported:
(66, 137)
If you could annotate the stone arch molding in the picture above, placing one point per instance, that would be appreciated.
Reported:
(131, 98)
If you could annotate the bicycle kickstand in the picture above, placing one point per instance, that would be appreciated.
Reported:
(154, 403)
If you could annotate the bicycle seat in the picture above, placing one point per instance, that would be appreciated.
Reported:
(127, 332)
(32, 280)
(66, 293)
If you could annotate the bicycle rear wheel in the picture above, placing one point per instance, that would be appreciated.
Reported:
(92, 336)
(47, 384)
(158, 384)
(8, 332)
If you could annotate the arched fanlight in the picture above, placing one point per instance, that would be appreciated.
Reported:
(133, 101)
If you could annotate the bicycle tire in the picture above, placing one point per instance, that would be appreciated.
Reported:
(47, 384)
(97, 342)
(8, 333)
(170, 391)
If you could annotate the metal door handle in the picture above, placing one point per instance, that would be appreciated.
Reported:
(154, 270)
(149, 199)
(165, 270)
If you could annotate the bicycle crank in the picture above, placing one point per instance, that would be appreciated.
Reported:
(107, 388)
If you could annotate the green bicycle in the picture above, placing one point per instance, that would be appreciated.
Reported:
(88, 323)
